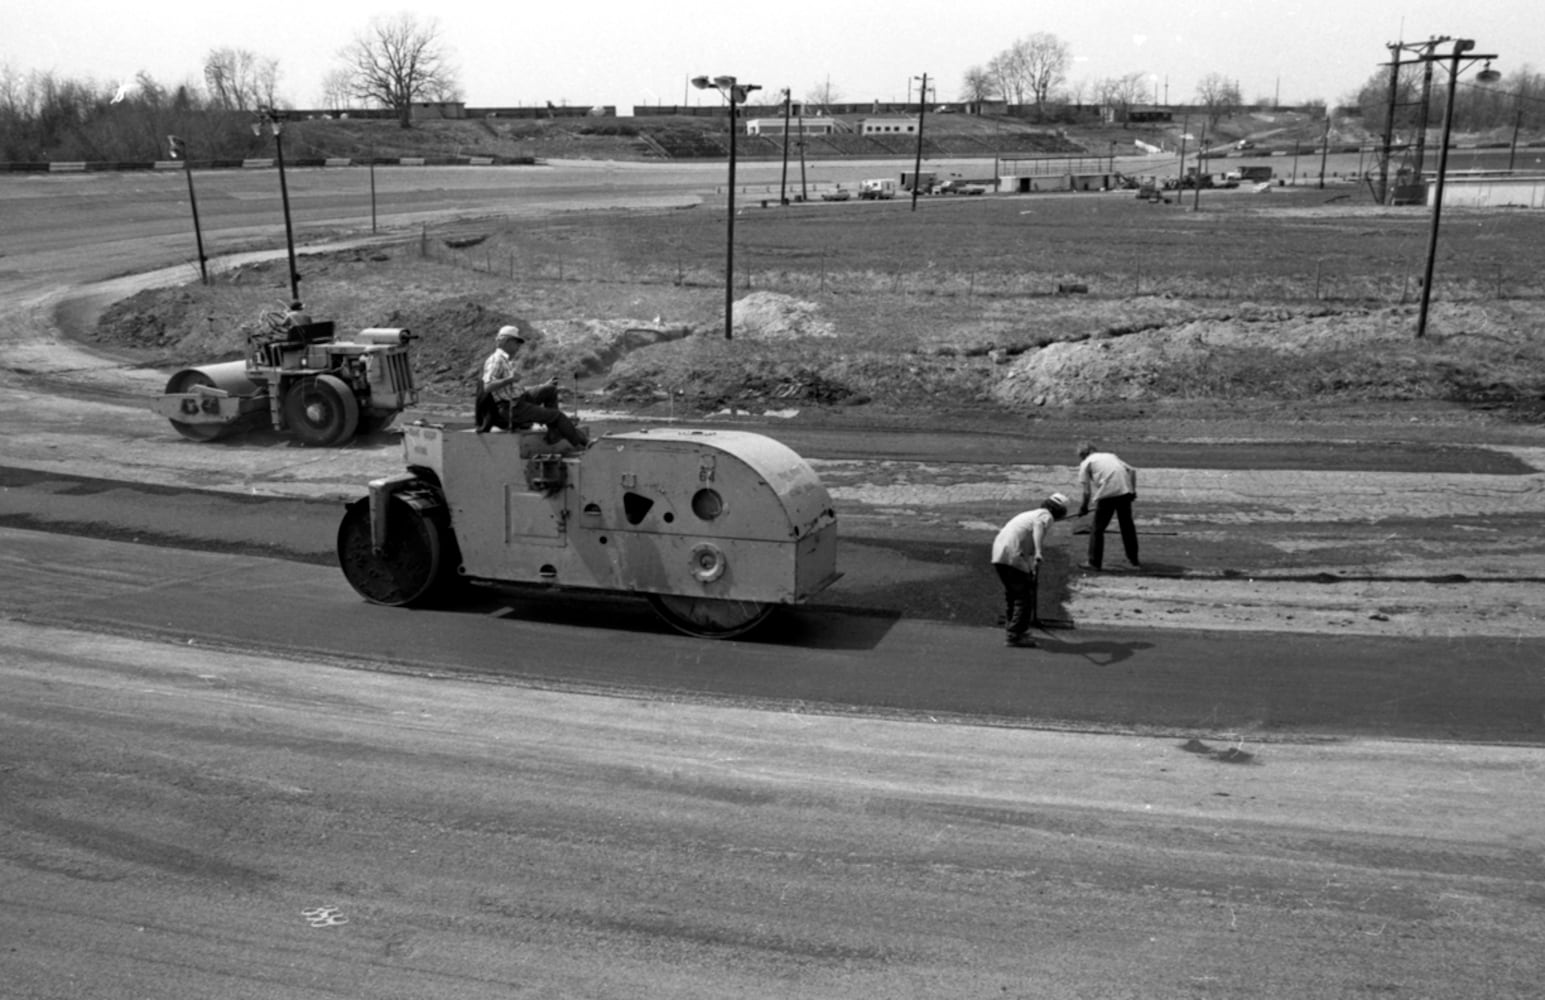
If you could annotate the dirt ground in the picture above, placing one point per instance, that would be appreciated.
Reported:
(965, 305)
(1285, 330)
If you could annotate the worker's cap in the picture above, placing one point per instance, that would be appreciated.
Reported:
(1057, 504)
(509, 333)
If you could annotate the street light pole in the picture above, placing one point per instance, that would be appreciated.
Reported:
(1487, 75)
(735, 92)
(179, 151)
(270, 117)
(783, 186)
(917, 167)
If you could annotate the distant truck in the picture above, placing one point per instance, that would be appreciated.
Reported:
(1252, 175)
(877, 189)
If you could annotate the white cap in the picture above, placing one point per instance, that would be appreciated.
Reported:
(509, 333)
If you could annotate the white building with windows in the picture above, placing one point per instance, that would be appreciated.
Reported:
(797, 126)
(888, 126)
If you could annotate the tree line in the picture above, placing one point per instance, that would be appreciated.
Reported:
(1034, 70)
(394, 63)
(399, 61)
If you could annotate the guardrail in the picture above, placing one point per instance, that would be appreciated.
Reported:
(85, 166)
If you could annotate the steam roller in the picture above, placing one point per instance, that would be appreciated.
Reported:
(298, 379)
(715, 528)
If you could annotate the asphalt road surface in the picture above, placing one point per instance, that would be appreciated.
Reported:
(221, 774)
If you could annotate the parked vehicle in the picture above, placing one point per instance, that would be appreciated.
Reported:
(877, 189)
(955, 185)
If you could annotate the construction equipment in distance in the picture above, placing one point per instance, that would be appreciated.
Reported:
(297, 379)
(716, 528)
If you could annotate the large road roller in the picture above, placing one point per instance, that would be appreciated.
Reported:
(297, 379)
(716, 528)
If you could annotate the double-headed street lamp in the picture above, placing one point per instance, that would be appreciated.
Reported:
(1462, 48)
(735, 93)
(274, 121)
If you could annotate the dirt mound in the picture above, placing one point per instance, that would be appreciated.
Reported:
(773, 316)
(1290, 353)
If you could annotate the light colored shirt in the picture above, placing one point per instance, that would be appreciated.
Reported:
(1103, 475)
(1019, 542)
(498, 366)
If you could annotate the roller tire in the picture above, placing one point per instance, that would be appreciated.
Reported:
(710, 618)
(417, 565)
(187, 381)
(321, 410)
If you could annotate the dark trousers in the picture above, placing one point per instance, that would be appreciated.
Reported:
(1121, 509)
(1019, 594)
(539, 407)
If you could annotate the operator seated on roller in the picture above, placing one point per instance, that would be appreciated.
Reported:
(295, 322)
(518, 406)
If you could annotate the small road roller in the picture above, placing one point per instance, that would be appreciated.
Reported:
(716, 528)
(298, 379)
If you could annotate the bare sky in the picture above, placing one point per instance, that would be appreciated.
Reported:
(630, 53)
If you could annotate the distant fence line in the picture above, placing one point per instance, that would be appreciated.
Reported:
(91, 166)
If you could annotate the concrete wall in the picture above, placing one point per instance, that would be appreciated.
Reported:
(1491, 192)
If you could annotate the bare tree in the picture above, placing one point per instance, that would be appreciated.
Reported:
(822, 96)
(240, 80)
(977, 85)
(1009, 76)
(1120, 93)
(1219, 95)
(338, 89)
(397, 61)
(1045, 59)
(1030, 69)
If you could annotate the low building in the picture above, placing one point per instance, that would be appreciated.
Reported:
(796, 126)
(888, 126)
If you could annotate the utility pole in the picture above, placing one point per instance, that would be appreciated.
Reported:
(1324, 148)
(179, 151)
(1185, 130)
(783, 187)
(1487, 75)
(917, 168)
(1201, 155)
(1389, 121)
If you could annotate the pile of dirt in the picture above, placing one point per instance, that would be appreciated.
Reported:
(1294, 353)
